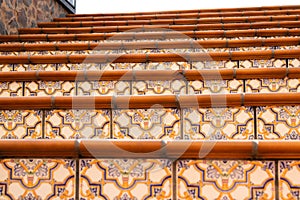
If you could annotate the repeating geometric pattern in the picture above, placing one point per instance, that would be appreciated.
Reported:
(215, 86)
(130, 179)
(146, 124)
(272, 85)
(21, 124)
(294, 62)
(225, 179)
(75, 124)
(11, 89)
(37, 179)
(289, 182)
(281, 122)
(159, 87)
(52, 88)
(280, 63)
(215, 64)
(100, 88)
(35, 67)
(218, 123)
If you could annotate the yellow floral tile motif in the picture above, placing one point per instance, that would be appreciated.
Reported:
(130, 179)
(100, 88)
(37, 179)
(218, 123)
(53, 88)
(75, 124)
(159, 87)
(146, 124)
(30, 67)
(289, 182)
(215, 86)
(20, 124)
(278, 122)
(11, 89)
(280, 63)
(272, 85)
(215, 64)
(6, 67)
(294, 62)
(225, 179)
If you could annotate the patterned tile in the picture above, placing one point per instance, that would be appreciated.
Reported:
(218, 123)
(280, 63)
(289, 182)
(38, 179)
(225, 179)
(272, 85)
(159, 87)
(6, 67)
(42, 67)
(11, 89)
(146, 124)
(281, 122)
(44, 88)
(125, 179)
(214, 65)
(99, 88)
(294, 62)
(20, 124)
(215, 86)
(70, 124)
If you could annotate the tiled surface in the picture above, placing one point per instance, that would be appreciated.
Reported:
(289, 183)
(218, 179)
(280, 63)
(214, 64)
(159, 87)
(294, 62)
(99, 88)
(218, 123)
(29, 67)
(278, 122)
(37, 179)
(52, 88)
(20, 124)
(11, 89)
(215, 86)
(146, 124)
(272, 85)
(72, 124)
(125, 179)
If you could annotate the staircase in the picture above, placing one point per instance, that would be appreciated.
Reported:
(196, 104)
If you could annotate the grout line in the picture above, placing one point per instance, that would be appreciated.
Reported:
(277, 188)
(255, 122)
(174, 180)
(77, 179)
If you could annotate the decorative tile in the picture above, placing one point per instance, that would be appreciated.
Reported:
(29, 67)
(214, 64)
(281, 122)
(55, 88)
(75, 124)
(218, 123)
(125, 179)
(11, 89)
(80, 66)
(215, 86)
(99, 88)
(6, 67)
(294, 62)
(38, 179)
(289, 182)
(159, 87)
(280, 63)
(225, 179)
(20, 124)
(146, 124)
(272, 85)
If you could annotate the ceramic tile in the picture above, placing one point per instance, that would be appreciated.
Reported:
(37, 179)
(272, 85)
(99, 88)
(11, 89)
(214, 64)
(29, 67)
(281, 122)
(218, 123)
(74, 124)
(159, 87)
(53, 88)
(215, 86)
(6, 67)
(289, 182)
(225, 179)
(278, 63)
(294, 62)
(125, 179)
(20, 124)
(146, 124)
